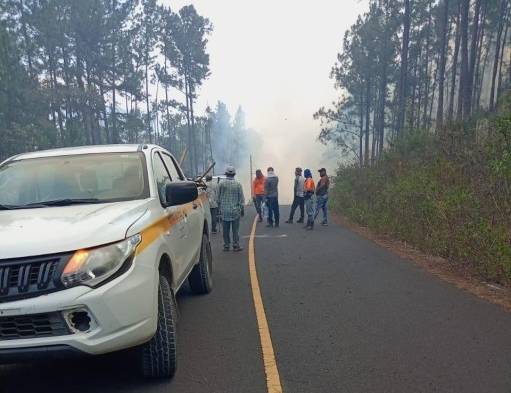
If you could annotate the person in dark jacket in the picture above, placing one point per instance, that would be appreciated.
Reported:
(322, 196)
(271, 192)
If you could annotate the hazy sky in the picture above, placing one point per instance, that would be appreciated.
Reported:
(273, 57)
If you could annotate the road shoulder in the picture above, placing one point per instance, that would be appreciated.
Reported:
(459, 276)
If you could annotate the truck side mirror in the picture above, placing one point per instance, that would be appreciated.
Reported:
(180, 193)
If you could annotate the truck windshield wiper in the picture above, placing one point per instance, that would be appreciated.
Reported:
(6, 207)
(61, 202)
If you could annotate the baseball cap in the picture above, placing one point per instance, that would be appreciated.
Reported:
(230, 170)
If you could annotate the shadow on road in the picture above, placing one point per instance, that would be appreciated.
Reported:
(117, 372)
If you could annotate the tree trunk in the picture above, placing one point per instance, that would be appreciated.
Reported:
(455, 64)
(148, 107)
(368, 121)
(479, 50)
(361, 131)
(467, 104)
(189, 124)
(502, 8)
(481, 79)
(403, 79)
(115, 133)
(427, 71)
(382, 103)
(194, 140)
(441, 70)
(501, 61)
(464, 74)
(26, 38)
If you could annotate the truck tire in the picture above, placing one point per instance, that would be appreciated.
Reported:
(159, 356)
(201, 277)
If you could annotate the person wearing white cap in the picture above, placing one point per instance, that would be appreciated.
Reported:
(230, 202)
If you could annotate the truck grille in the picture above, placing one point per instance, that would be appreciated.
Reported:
(23, 278)
(32, 326)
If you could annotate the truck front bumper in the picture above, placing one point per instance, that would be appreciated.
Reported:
(117, 315)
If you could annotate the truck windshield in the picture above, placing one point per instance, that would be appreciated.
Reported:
(76, 179)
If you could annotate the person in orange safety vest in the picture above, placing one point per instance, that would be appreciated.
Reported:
(258, 192)
(308, 192)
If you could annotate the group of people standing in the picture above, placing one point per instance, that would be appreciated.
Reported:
(226, 200)
(265, 190)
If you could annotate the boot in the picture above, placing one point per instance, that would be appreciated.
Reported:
(300, 221)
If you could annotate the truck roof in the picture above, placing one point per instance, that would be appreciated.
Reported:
(67, 151)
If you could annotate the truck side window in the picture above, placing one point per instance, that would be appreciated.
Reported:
(175, 174)
(161, 176)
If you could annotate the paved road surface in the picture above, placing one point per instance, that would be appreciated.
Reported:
(344, 316)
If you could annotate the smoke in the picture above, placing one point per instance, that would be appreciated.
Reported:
(290, 142)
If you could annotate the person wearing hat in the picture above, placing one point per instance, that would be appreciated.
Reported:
(297, 197)
(230, 203)
(322, 196)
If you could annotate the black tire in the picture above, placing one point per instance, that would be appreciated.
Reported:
(159, 355)
(201, 277)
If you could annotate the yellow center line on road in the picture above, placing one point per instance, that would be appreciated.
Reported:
(270, 364)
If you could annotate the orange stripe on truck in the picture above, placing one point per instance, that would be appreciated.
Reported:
(166, 224)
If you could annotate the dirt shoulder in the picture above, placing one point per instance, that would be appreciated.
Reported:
(460, 276)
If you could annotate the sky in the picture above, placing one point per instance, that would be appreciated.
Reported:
(273, 57)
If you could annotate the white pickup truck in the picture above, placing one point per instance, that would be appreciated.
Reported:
(94, 244)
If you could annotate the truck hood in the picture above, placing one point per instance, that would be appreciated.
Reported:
(31, 232)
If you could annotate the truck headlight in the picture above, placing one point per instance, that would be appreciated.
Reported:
(93, 266)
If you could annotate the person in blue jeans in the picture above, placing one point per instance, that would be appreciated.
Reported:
(308, 193)
(271, 192)
(231, 204)
(322, 196)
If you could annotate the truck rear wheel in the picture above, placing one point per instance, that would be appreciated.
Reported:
(201, 277)
(159, 356)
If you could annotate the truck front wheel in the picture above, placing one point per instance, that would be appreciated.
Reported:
(159, 357)
(201, 277)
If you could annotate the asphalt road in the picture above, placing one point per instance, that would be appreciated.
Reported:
(344, 315)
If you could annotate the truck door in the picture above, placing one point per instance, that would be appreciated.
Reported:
(177, 235)
(194, 212)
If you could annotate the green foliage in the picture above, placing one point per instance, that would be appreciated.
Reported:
(92, 71)
(446, 195)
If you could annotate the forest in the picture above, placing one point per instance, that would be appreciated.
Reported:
(109, 71)
(423, 120)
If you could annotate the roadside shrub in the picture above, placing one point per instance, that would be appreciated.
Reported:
(448, 195)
